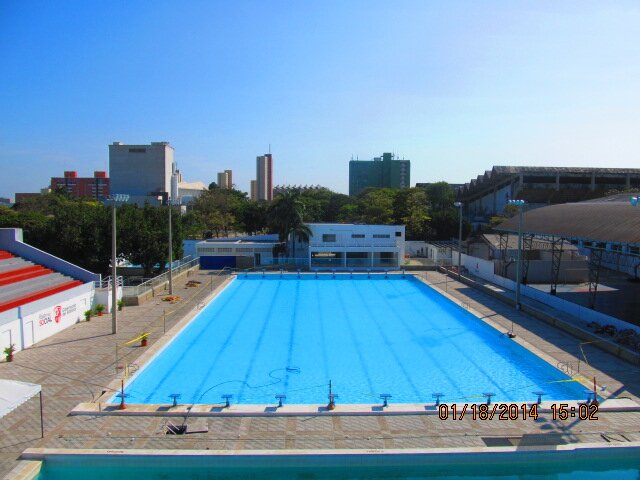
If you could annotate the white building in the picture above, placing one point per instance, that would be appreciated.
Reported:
(239, 252)
(339, 246)
(188, 191)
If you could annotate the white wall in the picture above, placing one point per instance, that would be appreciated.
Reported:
(38, 320)
(482, 269)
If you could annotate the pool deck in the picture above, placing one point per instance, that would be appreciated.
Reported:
(77, 365)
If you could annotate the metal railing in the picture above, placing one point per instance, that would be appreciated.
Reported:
(133, 291)
(106, 282)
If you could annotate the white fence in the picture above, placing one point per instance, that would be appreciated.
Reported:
(484, 269)
(134, 291)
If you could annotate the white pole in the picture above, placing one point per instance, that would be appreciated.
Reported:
(518, 265)
(170, 253)
(114, 286)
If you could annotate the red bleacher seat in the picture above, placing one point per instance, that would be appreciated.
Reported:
(21, 274)
(32, 297)
(4, 254)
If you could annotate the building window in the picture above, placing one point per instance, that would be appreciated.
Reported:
(601, 245)
(616, 248)
(357, 235)
(634, 250)
(328, 237)
(137, 150)
(224, 250)
(381, 235)
(398, 234)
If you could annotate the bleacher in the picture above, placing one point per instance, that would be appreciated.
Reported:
(22, 281)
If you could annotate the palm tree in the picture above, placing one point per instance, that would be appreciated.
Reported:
(302, 233)
(286, 216)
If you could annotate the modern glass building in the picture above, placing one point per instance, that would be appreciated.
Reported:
(381, 172)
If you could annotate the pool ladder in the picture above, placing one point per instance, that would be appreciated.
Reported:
(570, 368)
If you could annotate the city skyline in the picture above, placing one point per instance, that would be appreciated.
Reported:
(457, 87)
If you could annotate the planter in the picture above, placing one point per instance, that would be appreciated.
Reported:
(143, 342)
(9, 358)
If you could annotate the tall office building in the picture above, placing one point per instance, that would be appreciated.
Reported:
(254, 190)
(381, 172)
(264, 177)
(143, 172)
(225, 179)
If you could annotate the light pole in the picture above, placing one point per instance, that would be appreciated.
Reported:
(170, 252)
(520, 204)
(458, 205)
(115, 198)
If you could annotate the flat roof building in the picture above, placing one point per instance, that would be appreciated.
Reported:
(96, 187)
(143, 172)
(381, 172)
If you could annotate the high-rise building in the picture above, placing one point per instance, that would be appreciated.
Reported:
(381, 172)
(264, 177)
(143, 172)
(225, 179)
(254, 190)
(96, 187)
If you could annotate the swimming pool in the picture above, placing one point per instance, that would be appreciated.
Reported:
(570, 464)
(264, 336)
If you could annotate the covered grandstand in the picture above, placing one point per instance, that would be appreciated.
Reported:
(487, 194)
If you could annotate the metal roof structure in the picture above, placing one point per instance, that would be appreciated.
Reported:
(499, 173)
(600, 221)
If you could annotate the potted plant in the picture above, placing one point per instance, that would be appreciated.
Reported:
(143, 339)
(9, 352)
(120, 304)
(99, 309)
(87, 315)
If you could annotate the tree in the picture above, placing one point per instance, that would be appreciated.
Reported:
(376, 206)
(286, 214)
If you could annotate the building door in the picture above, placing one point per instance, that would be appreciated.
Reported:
(257, 259)
(28, 334)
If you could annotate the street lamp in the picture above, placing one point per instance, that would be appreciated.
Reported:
(170, 251)
(458, 205)
(520, 204)
(115, 198)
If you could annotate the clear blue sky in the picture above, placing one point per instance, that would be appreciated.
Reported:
(455, 87)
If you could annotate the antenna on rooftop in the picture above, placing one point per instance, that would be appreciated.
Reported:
(269, 149)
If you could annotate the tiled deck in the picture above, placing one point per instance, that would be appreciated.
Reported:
(75, 366)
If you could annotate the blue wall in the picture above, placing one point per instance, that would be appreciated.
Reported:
(217, 262)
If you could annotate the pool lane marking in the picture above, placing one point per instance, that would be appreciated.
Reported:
(372, 315)
(182, 326)
(426, 351)
(321, 326)
(483, 323)
(354, 341)
(265, 323)
(445, 338)
(196, 328)
(225, 345)
(292, 332)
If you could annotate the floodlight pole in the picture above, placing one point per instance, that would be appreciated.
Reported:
(114, 283)
(520, 204)
(459, 205)
(170, 252)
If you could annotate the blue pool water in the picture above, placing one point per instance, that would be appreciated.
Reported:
(266, 336)
(619, 464)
